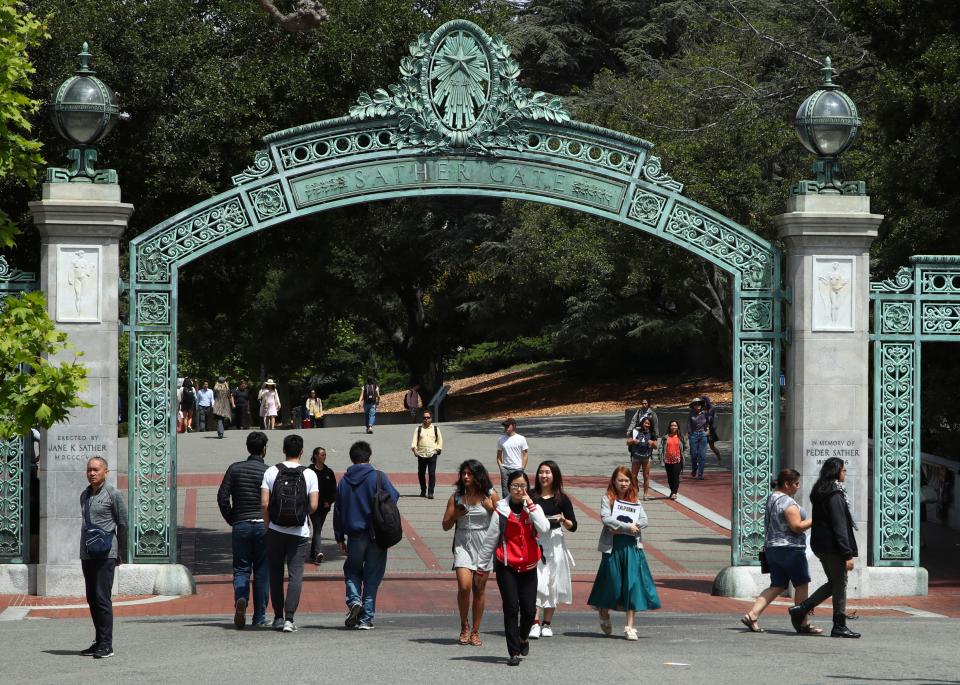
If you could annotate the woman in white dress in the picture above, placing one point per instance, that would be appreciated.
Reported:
(469, 510)
(269, 404)
(554, 575)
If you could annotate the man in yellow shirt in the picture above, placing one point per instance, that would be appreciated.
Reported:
(426, 446)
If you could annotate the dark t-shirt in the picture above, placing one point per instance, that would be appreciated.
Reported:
(551, 507)
(240, 397)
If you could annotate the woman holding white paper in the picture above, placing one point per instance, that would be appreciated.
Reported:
(623, 581)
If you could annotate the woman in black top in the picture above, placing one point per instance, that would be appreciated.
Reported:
(554, 582)
(832, 540)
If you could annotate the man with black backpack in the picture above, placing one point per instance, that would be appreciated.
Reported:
(366, 522)
(289, 493)
(426, 447)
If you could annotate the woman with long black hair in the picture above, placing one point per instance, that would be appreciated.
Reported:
(555, 571)
(511, 545)
(469, 510)
(832, 540)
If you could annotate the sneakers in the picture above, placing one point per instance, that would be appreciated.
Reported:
(535, 631)
(353, 615)
(289, 627)
(103, 653)
(318, 559)
(514, 660)
(364, 626)
(240, 613)
(277, 623)
(91, 650)
(546, 631)
(630, 633)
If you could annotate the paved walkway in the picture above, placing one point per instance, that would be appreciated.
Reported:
(687, 542)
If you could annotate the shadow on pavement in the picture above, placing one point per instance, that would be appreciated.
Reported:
(482, 659)
(63, 652)
(435, 640)
(703, 541)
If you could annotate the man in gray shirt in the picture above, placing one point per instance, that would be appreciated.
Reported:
(102, 507)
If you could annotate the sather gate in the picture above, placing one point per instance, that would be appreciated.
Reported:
(456, 123)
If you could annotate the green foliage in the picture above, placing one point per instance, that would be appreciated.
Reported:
(494, 355)
(34, 392)
(19, 152)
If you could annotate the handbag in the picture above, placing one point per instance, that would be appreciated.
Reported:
(96, 540)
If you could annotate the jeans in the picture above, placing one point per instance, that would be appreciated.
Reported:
(292, 550)
(219, 426)
(835, 567)
(370, 409)
(249, 540)
(422, 466)
(363, 572)
(673, 476)
(519, 594)
(203, 417)
(316, 520)
(98, 579)
(505, 472)
(698, 453)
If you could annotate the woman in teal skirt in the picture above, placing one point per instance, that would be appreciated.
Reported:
(623, 580)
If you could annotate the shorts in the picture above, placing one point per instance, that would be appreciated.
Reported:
(788, 564)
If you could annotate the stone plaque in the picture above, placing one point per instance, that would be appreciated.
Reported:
(68, 447)
(79, 283)
(833, 294)
(847, 445)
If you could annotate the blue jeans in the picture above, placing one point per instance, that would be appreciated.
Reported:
(370, 409)
(698, 453)
(250, 555)
(362, 572)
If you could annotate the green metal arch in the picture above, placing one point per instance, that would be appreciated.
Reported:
(493, 139)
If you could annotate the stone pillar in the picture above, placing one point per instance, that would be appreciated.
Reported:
(827, 240)
(80, 225)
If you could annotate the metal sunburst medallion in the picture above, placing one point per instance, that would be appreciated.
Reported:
(459, 81)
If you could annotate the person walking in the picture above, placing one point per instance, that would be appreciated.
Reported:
(103, 547)
(426, 447)
(204, 406)
(711, 411)
(328, 493)
(468, 511)
(411, 401)
(269, 404)
(188, 403)
(641, 444)
(833, 541)
(785, 547)
(672, 447)
(222, 404)
(644, 412)
(555, 570)
(366, 561)
(239, 501)
(314, 409)
(241, 405)
(369, 399)
(512, 453)
(623, 581)
(697, 431)
(510, 544)
(288, 494)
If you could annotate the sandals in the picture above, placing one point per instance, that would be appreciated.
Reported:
(751, 623)
(810, 629)
(605, 625)
(464, 636)
(475, 640)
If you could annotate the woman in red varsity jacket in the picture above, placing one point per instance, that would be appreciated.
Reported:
(511, 543)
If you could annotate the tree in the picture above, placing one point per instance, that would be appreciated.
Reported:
(34, 393)
(19, 152)
(307, 15)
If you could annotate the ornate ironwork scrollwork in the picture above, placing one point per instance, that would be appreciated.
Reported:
(754, 439)
(268, 202)
(653, 172)
(12, 500)
(896, 318)
(151, 473)
(734, 248)
(900, 283)
(646, 207)
(153, 309)
(756, 315)
(262, 165)
(155, 257)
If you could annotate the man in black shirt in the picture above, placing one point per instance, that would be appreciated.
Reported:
(328, 493)
(239, 502)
